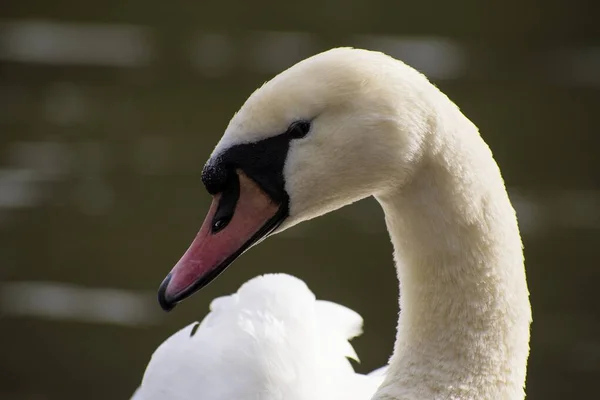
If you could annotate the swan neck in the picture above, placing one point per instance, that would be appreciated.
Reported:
(463, 330)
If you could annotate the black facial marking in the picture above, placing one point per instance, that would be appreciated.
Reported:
(214, 176)
(261, 161)
(194, 329)
(227, 203)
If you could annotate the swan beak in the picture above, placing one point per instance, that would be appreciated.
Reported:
(253, 215)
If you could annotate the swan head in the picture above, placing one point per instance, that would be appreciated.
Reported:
(333, 129)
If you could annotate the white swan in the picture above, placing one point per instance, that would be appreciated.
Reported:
(272, 340)
(347, 124)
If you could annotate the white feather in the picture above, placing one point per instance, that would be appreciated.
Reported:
(271, 340)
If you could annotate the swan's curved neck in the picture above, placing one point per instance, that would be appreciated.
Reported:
(463, 330)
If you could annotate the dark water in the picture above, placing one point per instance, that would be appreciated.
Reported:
(102, 140)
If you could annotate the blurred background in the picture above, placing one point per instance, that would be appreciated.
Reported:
(108, 111)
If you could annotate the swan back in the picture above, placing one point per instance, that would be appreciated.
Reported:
(270, 340)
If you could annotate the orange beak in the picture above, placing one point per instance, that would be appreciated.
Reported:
(255, 215)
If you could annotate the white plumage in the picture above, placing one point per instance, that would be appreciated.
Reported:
(379, 128)
(272, 340)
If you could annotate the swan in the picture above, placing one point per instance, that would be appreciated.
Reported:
(272, 340)
(347, 124)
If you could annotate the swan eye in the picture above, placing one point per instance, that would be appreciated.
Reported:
(298, 129)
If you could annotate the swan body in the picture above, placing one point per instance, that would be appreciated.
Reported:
(272, 340)
(347, 124)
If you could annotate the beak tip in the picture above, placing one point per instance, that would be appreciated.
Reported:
(167, 303)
